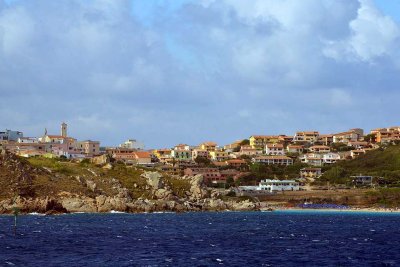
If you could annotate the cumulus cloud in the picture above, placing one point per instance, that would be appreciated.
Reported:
(202, 70)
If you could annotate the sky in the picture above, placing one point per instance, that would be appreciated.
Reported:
(187, 71)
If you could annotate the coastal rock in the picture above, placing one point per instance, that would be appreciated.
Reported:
(91, 185)
(197, 188)
(154, 179)
(244, 205)
(107, 204)
(215, 204)
(79, 204)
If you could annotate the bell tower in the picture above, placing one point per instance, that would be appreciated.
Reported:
(64, 128)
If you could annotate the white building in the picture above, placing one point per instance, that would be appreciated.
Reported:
(272, 186)
(28, 140)
(330, 158)
(277, 185)
(274, 149)
(132, 144)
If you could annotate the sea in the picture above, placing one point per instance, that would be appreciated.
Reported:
(278, 238)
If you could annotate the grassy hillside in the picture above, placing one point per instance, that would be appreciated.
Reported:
(383, 162)
(50, 177)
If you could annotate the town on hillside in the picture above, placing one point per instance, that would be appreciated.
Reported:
(261, 163)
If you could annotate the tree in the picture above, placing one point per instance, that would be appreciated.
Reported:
(204, 161)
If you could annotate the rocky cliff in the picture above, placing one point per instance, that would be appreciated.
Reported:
(54, 186)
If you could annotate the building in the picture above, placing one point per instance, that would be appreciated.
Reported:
(295, 149)
(273, 160)
(137, 158)
(313, 159)
(89, 148)
(362, 180)
(325, 139)
(274, 149)
(237, 164)
(320, 149)
(270, 186)
(182, 147)
(330, 158)
(209, 146)
(279, 185)
(357, 152)
(359, 144)
(28, 140)
(64, 129)
(346, 137)
(306, 137)
(259, 141)
(181, 154)
(249, 151)
(219, 155)
(310, 173)
(9, 135)
(200, 153)
(132, 144)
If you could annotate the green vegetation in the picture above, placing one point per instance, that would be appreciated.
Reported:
(259, 171)
(387, 197)
(383, 162)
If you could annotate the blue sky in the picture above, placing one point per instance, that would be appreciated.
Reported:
(172, 71)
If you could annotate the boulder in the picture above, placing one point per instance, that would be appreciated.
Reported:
(154, 179)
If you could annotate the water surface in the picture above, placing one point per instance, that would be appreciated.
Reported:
(203, 239)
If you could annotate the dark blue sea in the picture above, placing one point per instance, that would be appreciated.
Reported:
(286, 238)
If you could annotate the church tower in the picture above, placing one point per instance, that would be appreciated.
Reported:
(64, 127)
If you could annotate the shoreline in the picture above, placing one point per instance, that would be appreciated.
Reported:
(270, 210)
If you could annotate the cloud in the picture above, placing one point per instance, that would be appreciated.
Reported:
(201, 70)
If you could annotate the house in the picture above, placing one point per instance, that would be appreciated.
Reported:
(237, 163)
(295, 149)
(249, 151)
(387, 136)
(9, 135)
(313, 159)
(325, 139)
(350, 136)
(259, 141)
(200, 153)
(209, 146)
(273, 160)
(182, 147)
(320, 149)
(212, 176)
(310, 173)
(138, 157)
(162, 153)
(306, 137)
(358, 144)
(362, 180)
(28, 140)
(219, 155)
(229, 173)
(357, 152)
(89, 148)
(234, 145)
(330, 158)
(132, 144)
(278, 185)
(274, 149)
(181, 154)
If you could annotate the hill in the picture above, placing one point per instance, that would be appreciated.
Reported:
(383, 162)
(56, 185)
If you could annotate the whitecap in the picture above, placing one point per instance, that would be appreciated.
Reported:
(219, 260)
(10, 263)
(36, 214)
(115, 211)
